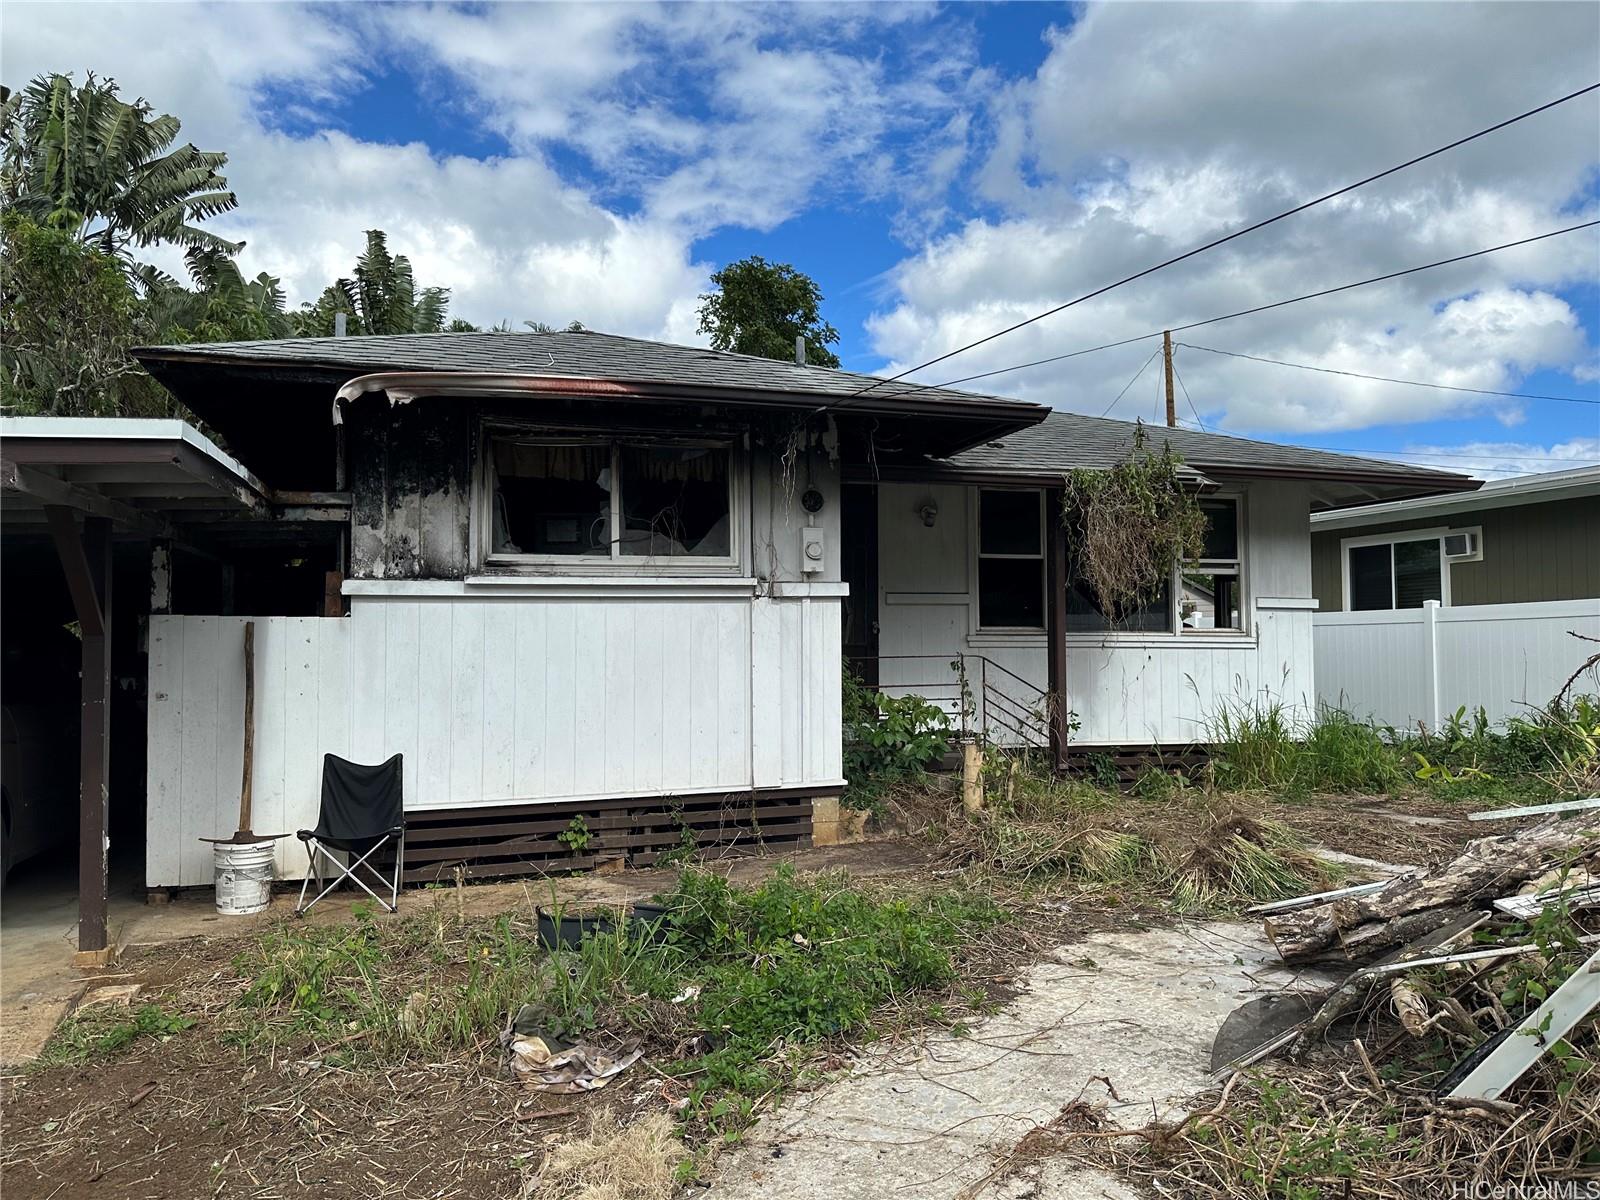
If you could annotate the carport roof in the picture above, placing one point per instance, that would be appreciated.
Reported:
(139, 473)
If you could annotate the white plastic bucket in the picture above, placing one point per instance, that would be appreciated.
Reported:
(244, 873)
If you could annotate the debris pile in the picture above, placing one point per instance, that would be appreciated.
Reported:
(1464, 1045)
(1448, 948)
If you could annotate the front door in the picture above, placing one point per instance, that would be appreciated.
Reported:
(858, 518)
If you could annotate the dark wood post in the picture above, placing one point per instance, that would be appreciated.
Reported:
(1055, 625)
(86, 560)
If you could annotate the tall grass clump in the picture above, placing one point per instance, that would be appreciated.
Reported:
(1264, 747)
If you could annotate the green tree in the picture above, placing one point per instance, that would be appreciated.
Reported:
(223, 306)
(68, 315)
(760, 308)
(380, 297)
(81, 160)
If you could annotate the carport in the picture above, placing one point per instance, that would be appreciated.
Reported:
(80, 483)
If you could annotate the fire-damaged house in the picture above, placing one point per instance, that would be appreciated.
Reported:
(577, 575)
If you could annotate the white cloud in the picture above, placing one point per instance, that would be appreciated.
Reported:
(1496, 460)
(1150, 129)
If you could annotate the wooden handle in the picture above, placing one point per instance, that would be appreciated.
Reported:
(249, 723)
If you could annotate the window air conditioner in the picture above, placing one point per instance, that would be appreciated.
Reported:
(1460, 545)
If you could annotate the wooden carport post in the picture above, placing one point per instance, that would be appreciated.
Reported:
(1055, 626)
(86, 560)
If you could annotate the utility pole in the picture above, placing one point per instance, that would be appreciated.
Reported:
(1166, 355)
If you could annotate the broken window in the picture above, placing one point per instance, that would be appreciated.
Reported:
(1011, 568)
(610, 499)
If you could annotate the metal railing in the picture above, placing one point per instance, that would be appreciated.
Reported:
(983, 698)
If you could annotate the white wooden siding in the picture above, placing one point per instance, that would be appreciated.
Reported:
(503, 698)
(1125, 689)
(1420, 665)
(196, 734)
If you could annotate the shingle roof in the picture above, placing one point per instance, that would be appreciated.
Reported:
(579, 354)
(1064, 441)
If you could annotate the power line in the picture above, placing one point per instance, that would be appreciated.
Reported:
(1211, 245)
(1131, 382)
(1371, 453)
(1245, 312)
(1179, 377)
(1444, 387)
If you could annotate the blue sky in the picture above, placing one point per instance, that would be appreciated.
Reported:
(942, 171)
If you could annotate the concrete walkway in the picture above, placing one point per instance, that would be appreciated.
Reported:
(1122, 1020)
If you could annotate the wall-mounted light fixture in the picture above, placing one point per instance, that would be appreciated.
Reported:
(929, 512)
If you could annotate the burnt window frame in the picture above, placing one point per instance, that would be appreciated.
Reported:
(616, 562)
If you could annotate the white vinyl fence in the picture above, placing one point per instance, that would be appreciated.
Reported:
(1420, 665)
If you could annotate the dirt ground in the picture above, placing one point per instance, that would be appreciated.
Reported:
(193, 1115)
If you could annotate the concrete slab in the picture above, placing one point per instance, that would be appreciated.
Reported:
(1124, 1020)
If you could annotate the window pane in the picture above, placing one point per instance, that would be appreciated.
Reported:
(552, 499)
(1222, 529)
(675, 501)
(1011, 593)
(1416, 573)
(1084, 614)
(1210, 601)
(1369, 578)
(1009, 523)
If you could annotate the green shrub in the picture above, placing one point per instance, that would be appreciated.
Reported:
(887, 739)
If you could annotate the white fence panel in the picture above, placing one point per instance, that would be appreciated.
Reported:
(1420, 665)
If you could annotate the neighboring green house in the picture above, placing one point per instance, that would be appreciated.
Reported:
(1520, 540)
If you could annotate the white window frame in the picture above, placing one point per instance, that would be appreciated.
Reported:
(731, 564)
(1145, 637)
(976, 510)
(1232, 566)
(1434, 533)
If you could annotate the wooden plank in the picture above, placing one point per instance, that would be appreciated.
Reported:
(163, 759)
(529, 656)
(466, 698)
(281, 722)
(498, 767)
(198, 770)
(401, 698)
(428, 779)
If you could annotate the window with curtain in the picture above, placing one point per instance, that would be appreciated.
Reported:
(610, 499)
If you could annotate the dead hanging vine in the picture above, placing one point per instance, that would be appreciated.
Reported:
(1127, 527)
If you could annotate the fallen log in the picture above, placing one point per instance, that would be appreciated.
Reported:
(1359, 925)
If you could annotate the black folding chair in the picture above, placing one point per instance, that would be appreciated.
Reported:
(363, 810)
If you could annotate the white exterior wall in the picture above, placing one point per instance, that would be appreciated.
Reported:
(1416, 665)
(515, 691)
(1126, 688)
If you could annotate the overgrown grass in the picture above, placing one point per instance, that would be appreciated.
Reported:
(760, 976)
(1266, 746)
(1170, 844)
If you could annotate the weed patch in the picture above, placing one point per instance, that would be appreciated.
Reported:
(731, 993)
(99, 1033)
